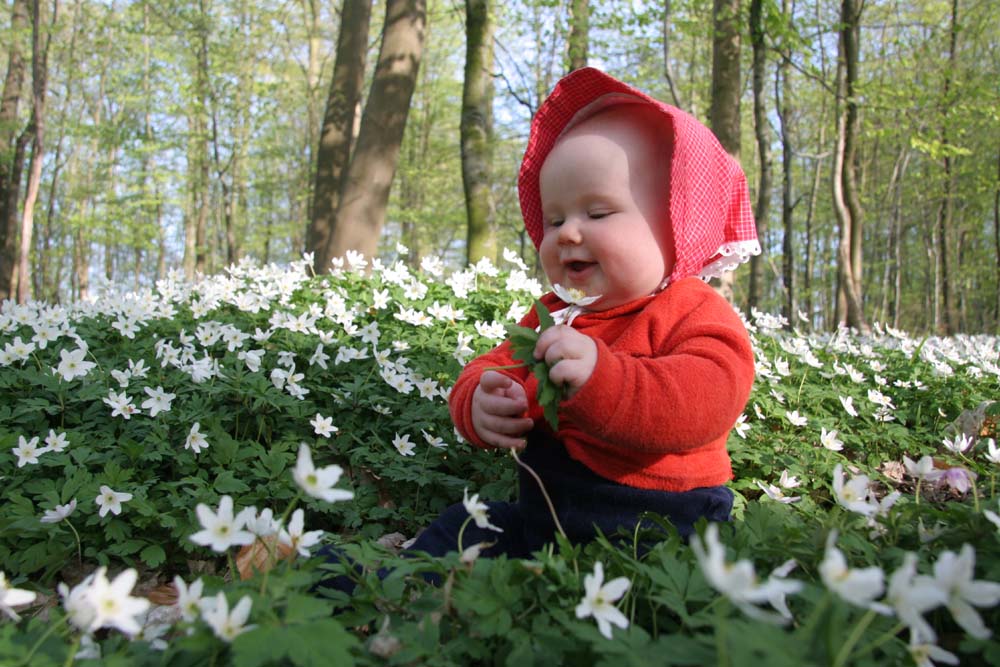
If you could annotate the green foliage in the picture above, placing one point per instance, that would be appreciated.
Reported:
(485, 611)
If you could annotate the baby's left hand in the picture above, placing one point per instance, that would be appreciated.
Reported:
(571, 356)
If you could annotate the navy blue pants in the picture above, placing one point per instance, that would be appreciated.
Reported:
(583, 500)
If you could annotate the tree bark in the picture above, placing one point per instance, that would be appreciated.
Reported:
(945, 324)
(724, 113)
(365, 197)
(579, 34)
(334, 150)
(763, 205)
(477, 130)
(996, 246)
(845, 201)
(11, 152)
(783, 94)
(39, 83)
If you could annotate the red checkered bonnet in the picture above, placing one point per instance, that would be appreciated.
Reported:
(713, 226)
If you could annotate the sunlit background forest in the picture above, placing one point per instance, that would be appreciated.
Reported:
(140, 138)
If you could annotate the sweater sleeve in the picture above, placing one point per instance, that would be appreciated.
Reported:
(460, 398)
(687, 393)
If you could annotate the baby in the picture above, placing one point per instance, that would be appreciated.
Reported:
(632, 203)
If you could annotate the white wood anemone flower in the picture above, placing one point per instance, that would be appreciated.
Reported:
(598, 600)
(577, 300)
(738, 581)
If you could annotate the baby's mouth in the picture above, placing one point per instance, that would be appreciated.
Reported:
(578, 266)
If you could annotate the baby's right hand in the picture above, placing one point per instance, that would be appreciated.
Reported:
(498, 406)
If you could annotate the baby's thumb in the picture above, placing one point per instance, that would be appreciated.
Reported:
(492, 382)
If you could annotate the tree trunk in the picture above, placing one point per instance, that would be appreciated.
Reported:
(369, 177)
(845, 202)
(39, 83)
(334, 150)
(724, 113)
(946, 323)
(11, 154)
(477, 130)
(783, 94)
(579, 34)
(762, 208)
(996, 245)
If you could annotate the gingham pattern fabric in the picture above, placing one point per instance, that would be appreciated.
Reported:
(713, 226)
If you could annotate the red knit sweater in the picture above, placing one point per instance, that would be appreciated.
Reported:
(673, 374)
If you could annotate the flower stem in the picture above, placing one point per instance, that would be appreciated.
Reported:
(461, 532)
(79, 546)
(523, 364)
(41, 640)
(545, 494)
(721, 640)
(887, 636)
(852, 639)
(71, 656)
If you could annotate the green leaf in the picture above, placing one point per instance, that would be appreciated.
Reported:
(226, 482)
(153, 555)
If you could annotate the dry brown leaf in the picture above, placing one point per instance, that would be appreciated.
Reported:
(262, 555)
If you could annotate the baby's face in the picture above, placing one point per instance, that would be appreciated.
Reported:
(604, 203)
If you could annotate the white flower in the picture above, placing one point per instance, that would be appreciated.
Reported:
(195, 440)
(574, 296)
(121, 405)
(795, 418)
(741, 427)
(27, 451)
(318, 482)
(858, 586)
(911, 595)
(262, 525)
(251, 358)
(922, 469)
(73, 364)
(924, 654)
(854, 494)
(188, 598)
(776, 493)
(598, 599)
(220, 530)
(958, 444)
(477, 510)
(403, 445)
(880, 399)
(323, 425)
(954, 573)
(158, 401)
(59, 513)
(738, 581)
(13, 597)
(111, 501)
(113, 606)
(830, 440)
(77, 604)
(226, 626)
(434, 441)
(56, 442)
(994, 451)
(296, 538)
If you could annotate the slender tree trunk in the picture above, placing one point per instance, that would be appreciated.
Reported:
(724, 113)
(783, 93)
(579, 34)
(39, 83)
(846, 204)
(667, 65)
(996, 246)
(369, 177)
(11, 150)
(760, 125)
(334, 150)
(946, 323)
(477, 131)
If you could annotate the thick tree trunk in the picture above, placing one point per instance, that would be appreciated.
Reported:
(11, 151)
(334, 150)
(845, 200)
(579, 34)
(760, 125)
(39, 84)
(365, 197)
(477, 130)
(724, 113)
